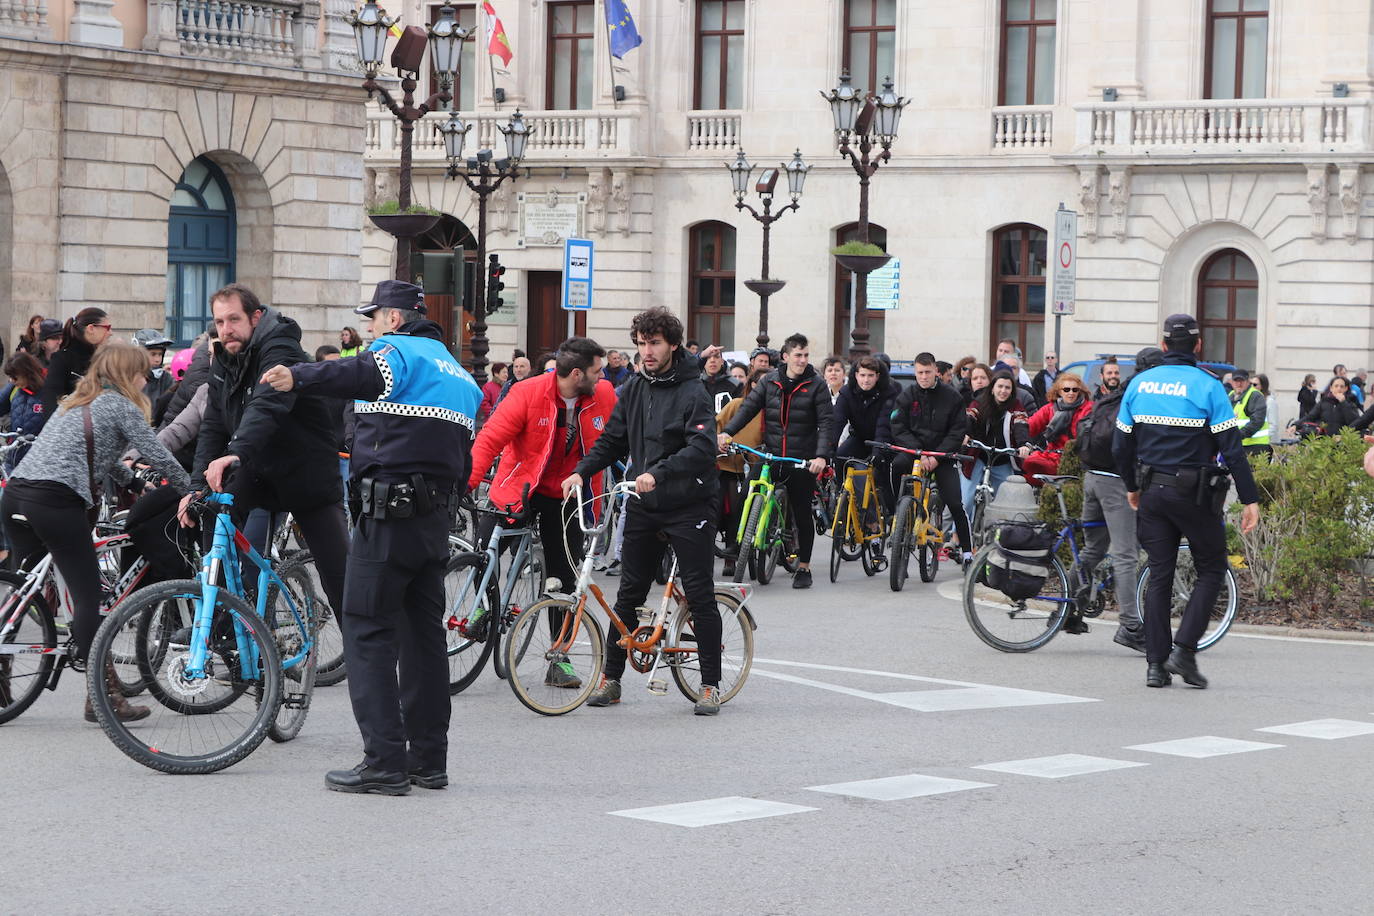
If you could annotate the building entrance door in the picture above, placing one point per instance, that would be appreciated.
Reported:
(546, 324)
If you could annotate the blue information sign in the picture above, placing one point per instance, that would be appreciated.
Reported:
(577, 274)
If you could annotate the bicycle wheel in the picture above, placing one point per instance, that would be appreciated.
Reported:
(330, 669)
(468, 648)
(529, 585)
(849, 547)
(975, 526)
(928, 554)
(1223, 612)
(899, 545)
(736, 649)
(744, 563)
(205, 723)
(550, 673)
(291, 632)
(1014, 625)
(23, 676)
(766, 560)
(835, 559)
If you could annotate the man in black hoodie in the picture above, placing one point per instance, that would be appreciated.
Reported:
(930, 416)
(796, 423)
(282, 441)
(663, 422)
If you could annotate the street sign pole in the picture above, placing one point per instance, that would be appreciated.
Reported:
(578, 255)
(1065, 274)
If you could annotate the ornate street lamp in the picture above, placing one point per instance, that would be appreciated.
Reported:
(864, 121)
(740, 170)
(444, 39)
(483, 173)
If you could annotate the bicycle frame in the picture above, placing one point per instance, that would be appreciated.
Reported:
(492, 553)
(853, 521)
(763, 488)
(227, 546)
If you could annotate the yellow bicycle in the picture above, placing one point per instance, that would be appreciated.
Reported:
(917, 523)
(859, 525)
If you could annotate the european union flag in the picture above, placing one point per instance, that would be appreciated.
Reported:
(620, 25)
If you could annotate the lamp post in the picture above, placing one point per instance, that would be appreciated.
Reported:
(483, 174)
(740, 170)
(371, 25)
(862, 121)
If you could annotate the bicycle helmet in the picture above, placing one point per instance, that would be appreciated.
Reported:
(150, 339)
(181, 362)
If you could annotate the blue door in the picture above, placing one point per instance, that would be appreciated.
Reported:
(200, 248)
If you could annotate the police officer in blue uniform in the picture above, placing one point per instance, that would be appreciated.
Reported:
(416, 408)
(1173, 421)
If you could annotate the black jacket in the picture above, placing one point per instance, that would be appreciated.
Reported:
(391, 446)
(157, 388)
(283, 438)
(64, 371)
(1040, 386)
(664, 424)
(1333, 414)
(797, 425)
(719, 384)
(868, 413)
(1307, 399)
(930, 419)
(197, 374)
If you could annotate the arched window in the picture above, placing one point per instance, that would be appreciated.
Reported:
(1018, 290)
(1228, 308)
(844, 294)
(200, 248)
(440, 280)
(711, 296)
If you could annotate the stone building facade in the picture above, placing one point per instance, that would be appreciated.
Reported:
(1216, 150)
(151, 151)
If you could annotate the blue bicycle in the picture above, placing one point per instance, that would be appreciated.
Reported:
(1023, 624)
(223, 674)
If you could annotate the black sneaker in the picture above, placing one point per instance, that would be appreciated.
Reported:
(606, 693)
(561, 674)
(800, 579)
(728, 572)
(1075, 625)
(1130, 638)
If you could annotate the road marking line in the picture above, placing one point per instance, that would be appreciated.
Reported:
(711, 811)
(1060, 765)
(1204, 746)
(1326, 729)
(896, 788)
(965, 695)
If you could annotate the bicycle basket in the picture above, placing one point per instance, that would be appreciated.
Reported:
(1020, 564)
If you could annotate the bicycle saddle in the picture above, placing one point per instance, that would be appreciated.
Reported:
(1055, 479)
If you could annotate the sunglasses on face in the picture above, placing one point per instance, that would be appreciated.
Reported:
(1068, 390)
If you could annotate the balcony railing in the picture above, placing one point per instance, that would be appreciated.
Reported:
(708, 131)
(1023, 128)
(282, 32)
(553, 134)
(24, 18)
(1218, 127)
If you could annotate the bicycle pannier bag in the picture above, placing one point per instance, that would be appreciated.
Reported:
(1020, 563)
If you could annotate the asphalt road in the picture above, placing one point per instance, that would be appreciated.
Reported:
(957, 780)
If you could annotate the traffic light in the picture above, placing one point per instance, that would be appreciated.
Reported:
(494, 285)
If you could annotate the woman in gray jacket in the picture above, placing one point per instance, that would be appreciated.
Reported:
(52, 489)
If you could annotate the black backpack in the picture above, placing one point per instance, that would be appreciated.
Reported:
(1020, 564)
(1096, 431)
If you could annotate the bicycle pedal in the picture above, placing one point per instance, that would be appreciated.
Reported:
(658, 687)
(295, 701)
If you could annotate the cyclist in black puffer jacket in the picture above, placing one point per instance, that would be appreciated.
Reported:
(865, 405)
(795, 402)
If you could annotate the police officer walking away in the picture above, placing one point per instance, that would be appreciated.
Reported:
(416, 409)
(1173, 420)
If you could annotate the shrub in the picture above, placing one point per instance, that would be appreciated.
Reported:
(393, 208)
(864, 248)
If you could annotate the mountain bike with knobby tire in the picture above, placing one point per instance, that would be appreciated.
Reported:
(918, 521)
(560, 630)
(224, 674)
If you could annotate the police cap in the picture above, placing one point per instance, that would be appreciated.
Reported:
(395, 294)
(1148, 358)
(1181, 328)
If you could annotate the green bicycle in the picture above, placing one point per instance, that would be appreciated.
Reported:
(767, 532)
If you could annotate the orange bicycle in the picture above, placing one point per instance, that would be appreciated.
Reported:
(559, 631)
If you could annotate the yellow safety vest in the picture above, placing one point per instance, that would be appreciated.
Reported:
(1261, 436)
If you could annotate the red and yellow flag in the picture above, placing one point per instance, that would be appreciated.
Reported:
(497, 41)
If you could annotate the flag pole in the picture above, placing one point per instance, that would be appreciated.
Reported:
(486, 49)
(610, 59)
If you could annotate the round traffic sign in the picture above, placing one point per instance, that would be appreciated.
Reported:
(1065, 255)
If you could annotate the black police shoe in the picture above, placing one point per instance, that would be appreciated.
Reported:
(1183, 662)
(428, 777)
(1156, 676)
(362, 778)
(1075, 625)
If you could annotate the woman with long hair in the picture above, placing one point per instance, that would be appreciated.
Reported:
(979, 377)
(53, 488)
(81, 336)
(1052, 426)
(350, 342)
(995, 418)
(1308, 394)
(20, 400)
(28, 341)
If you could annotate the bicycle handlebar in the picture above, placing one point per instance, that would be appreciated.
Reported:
(990, 450)
(920, 453)
(782, 459)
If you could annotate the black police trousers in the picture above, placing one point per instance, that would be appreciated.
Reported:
(1167, 515)
(394, 641)
(691, 531)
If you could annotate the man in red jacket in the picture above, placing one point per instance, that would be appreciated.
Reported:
(542, 429)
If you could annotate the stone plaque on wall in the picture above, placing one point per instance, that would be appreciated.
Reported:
(549, 217)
